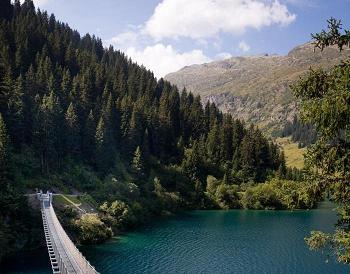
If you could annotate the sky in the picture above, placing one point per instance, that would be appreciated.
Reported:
(166, 35)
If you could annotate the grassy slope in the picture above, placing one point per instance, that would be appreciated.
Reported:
(256, 89)
(62, 200)
(294, 155)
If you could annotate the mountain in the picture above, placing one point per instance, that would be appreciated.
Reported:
(256, 88)
(78, 117)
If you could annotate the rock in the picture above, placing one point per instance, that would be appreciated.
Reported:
(256, 88)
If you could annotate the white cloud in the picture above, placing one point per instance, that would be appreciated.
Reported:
(163, 59)
(243, 46)
(124, 40)
(40, 3)
(223, 56)
(207, 18)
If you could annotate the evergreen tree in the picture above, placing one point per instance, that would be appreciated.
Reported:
(72, 131)
(212, 145)
(324, 95)
(4, 150)
(88, 139)
(135, 130)
(47, 128)
(137, 161)
(16, 111)
(104, 149)
(6, 9)
(6, 85)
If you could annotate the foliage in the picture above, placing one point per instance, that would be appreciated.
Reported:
(92, 230)
(281, 194)
(117, 215)
(74, 115)
(221, 194)
(304, 134)
(293, 154)
(325, 103)
(81, 102)
(137, 161)
(261, 196)
(168, 200)
(338, 243)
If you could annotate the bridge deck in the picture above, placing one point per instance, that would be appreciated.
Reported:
(64, 256)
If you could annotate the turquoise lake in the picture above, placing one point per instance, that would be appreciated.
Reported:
(236, 241)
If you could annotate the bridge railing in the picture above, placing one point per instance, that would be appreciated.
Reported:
(76, 255)
(76, 259)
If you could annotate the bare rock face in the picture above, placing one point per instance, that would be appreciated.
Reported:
(257, 88)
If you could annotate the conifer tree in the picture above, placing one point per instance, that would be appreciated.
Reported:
(137, 161)
(88, 138)
(135, 130)
(16, 112)
(72, 131)
(6, 85)
(213, 145)
(104, 149)
(48, 129)
(4, 150)
(66, 87)
(6, 9)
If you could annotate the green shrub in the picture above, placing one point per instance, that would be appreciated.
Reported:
(92, 230)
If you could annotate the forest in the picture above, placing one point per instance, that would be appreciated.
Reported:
(301, 133)
(78, 117)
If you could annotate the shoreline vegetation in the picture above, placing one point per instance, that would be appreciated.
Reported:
(76, 117)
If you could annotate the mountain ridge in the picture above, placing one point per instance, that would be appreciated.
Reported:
(256, 88)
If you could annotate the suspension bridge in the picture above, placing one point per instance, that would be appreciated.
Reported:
(64, 256)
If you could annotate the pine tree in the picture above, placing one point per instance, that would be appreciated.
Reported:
(6, 85)
(135, 130)
(86, 91)
(213, 145)
(72, 131)
(226, 137)
(88, 138)
(30, 106)
(146, 145)
(16, 112)
(66, 87)
(6, 9)
(248, 156)
(104, 149)
(48, 139)
(4, 150)
(137, 161)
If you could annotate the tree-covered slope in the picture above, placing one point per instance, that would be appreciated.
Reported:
(77, 117)
(256, 88)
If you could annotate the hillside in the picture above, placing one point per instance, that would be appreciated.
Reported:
(76, 117)
(256, 88)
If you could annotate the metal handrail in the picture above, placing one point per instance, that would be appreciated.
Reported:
(77, 262)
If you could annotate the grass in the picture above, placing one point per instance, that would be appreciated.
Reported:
(59, 199)
(62, 200)
(294, 155)
(73, 198)
(66, 199)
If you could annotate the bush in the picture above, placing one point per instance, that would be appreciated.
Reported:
(117, 214)
(281, 194)
(261, 196)
(92, 230)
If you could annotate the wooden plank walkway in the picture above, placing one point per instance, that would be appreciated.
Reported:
(64, 256)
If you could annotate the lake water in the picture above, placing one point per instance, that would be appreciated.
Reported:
(237, 241)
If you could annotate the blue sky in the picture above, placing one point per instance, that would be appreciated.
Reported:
(165, 35)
